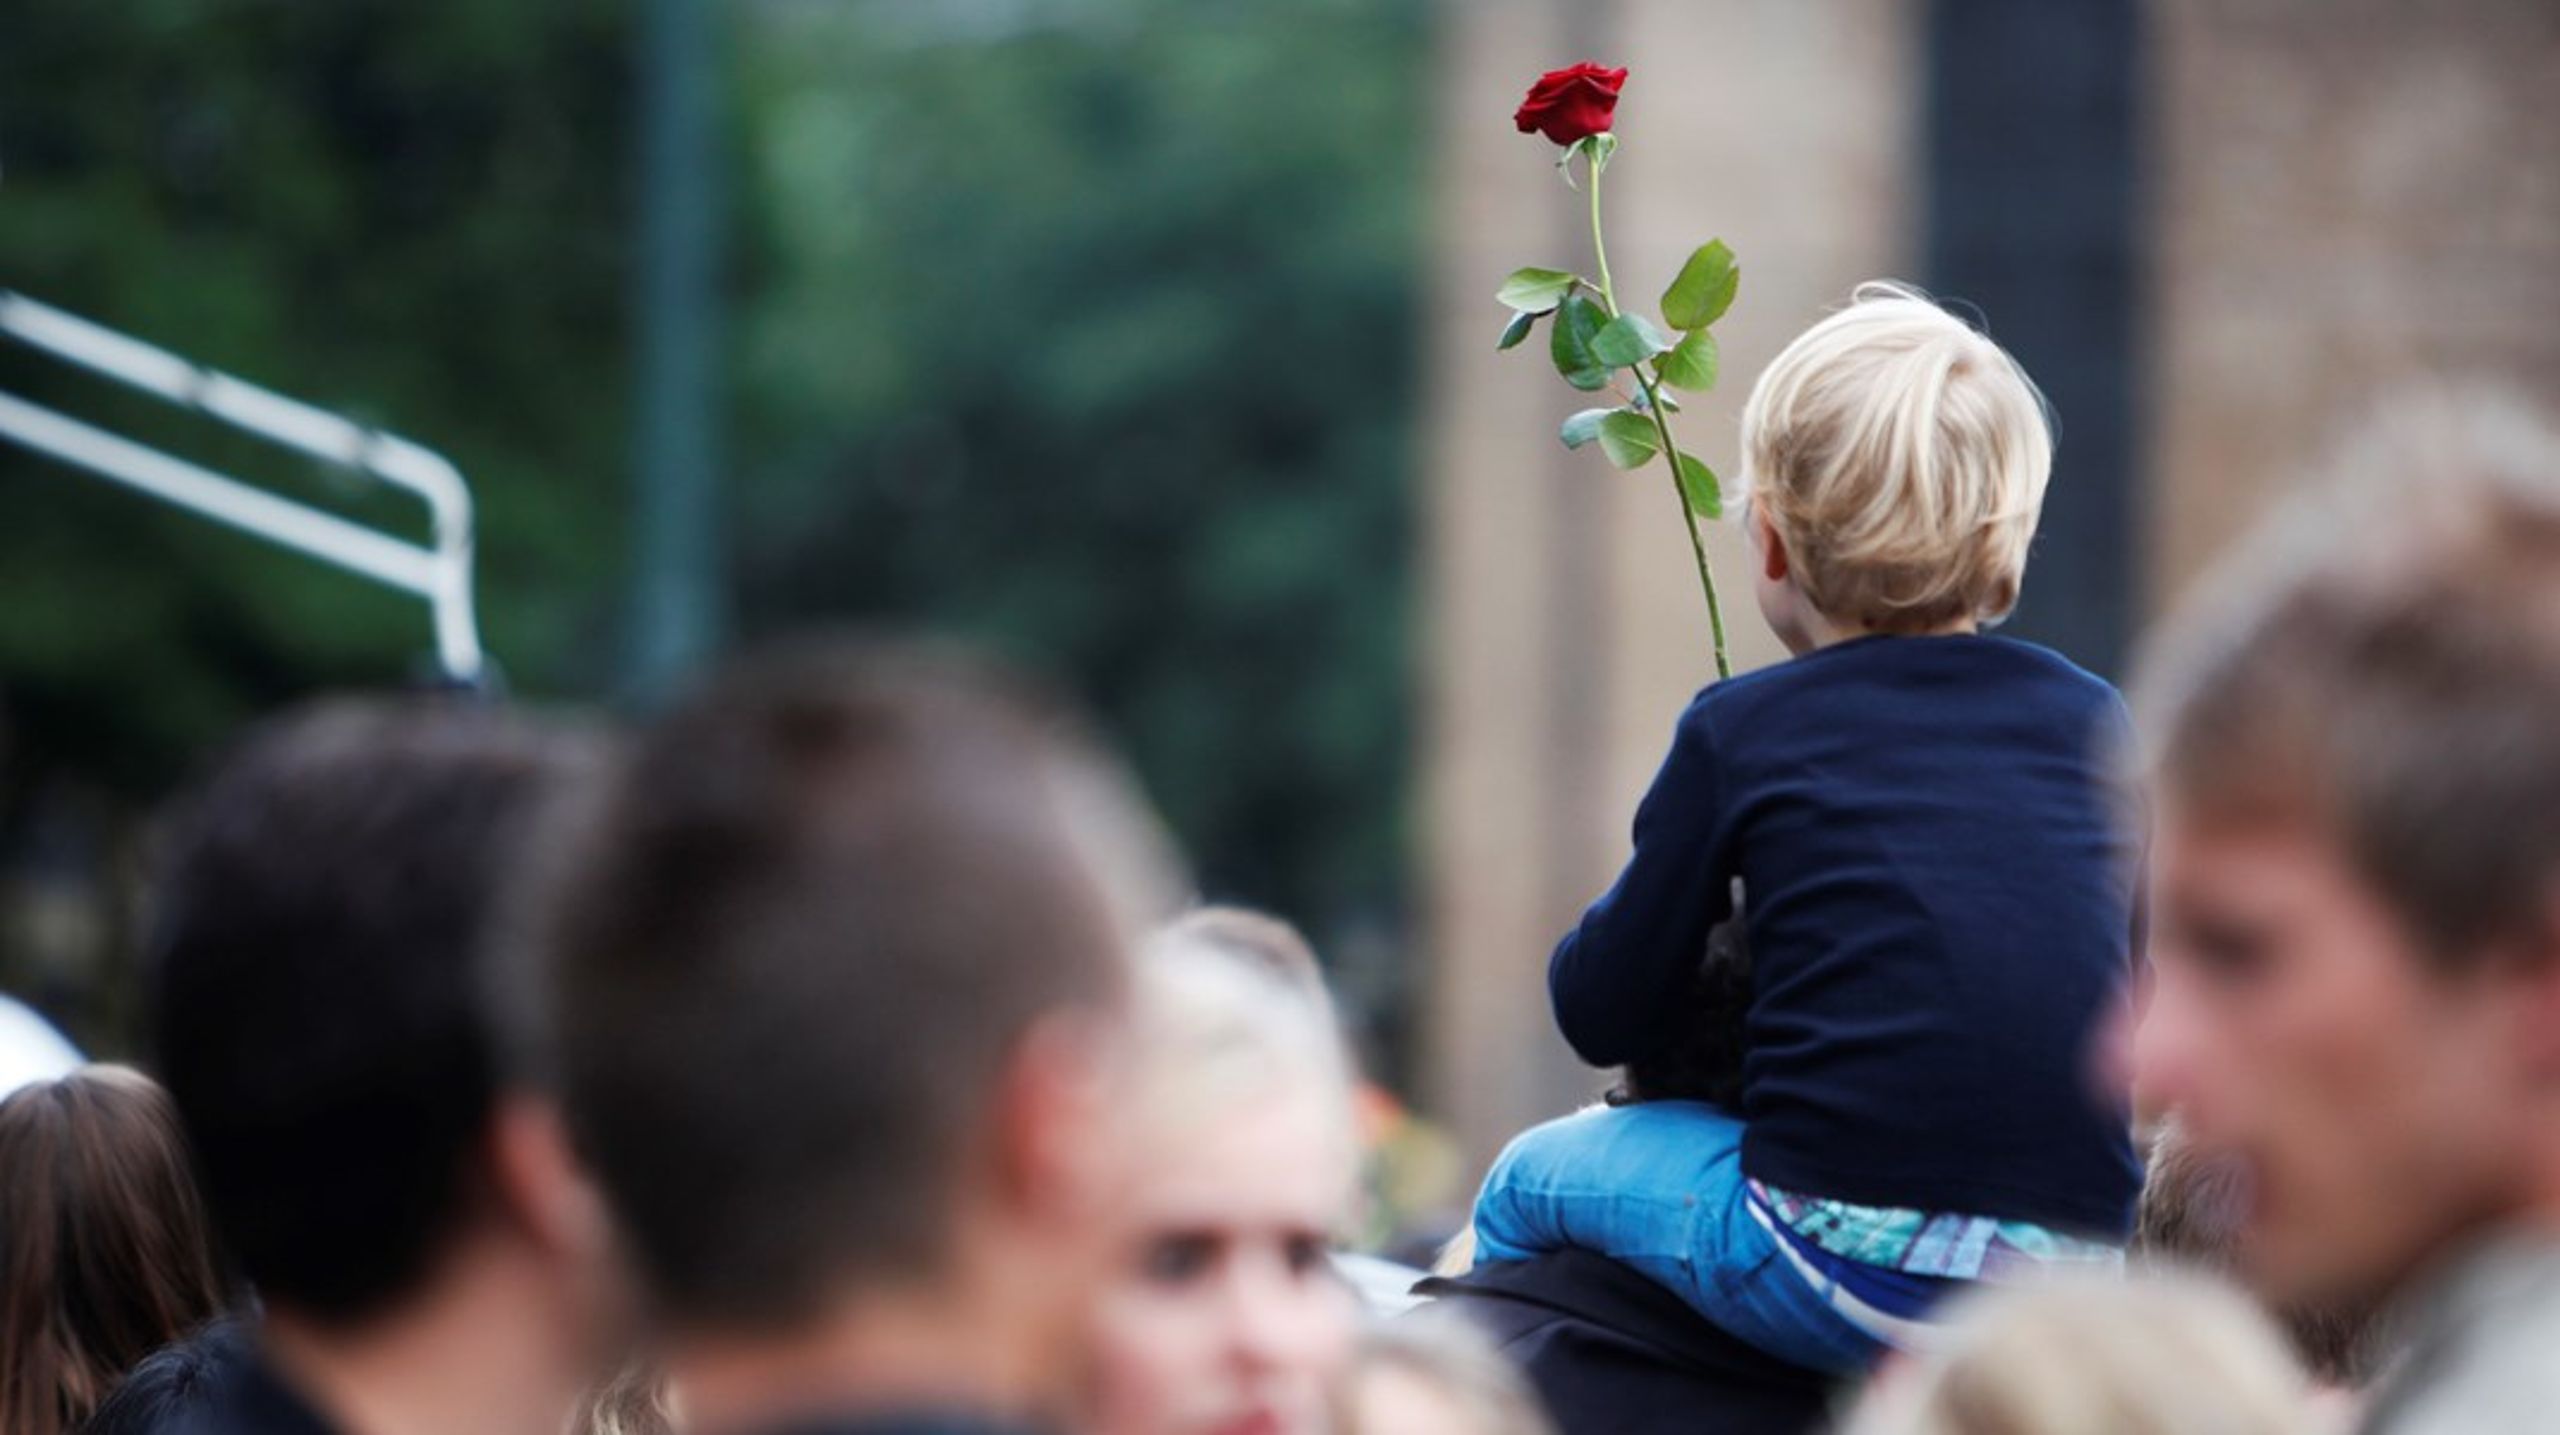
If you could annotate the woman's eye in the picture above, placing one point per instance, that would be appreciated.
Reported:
(1179, 1259)
(1305, 1254)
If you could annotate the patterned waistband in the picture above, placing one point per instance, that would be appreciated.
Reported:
(1885, 1271)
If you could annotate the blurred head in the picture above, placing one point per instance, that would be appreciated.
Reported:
(105, 1252)
(320, 1000)
(837, 975)
(1229, 1318)
(2357, 866)
(1431, 1373)
(1895, 462)
(2162, 1356)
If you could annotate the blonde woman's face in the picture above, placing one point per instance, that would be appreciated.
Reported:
(1230, 1319)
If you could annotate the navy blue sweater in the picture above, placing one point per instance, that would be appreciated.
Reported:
(1939, 894)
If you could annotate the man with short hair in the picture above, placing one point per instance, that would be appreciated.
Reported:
(2357, 754)
(428, 1257)
(837, 975)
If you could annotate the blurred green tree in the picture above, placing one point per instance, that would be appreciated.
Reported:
(412, 213)
(1080, 327)
(1089, 329)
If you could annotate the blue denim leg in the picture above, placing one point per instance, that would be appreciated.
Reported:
(1659, 1186)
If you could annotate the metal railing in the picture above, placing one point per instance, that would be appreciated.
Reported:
(439, 572)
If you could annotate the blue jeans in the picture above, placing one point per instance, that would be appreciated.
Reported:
(1659, 1186)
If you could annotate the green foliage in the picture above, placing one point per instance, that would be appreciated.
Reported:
(1599, 149)
(1095, 339)
(1583, 427)
(1690, 365)
(1517, 330)
(1086, 331)
(1627, 341)
(1569, 343)
(1628, 438)
(1699, 487)
(1704, 289)
(415, 213)
(1535, 291)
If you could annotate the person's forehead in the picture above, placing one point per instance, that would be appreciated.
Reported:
(2204, 844)
(1280, 1159)
(2287, 876)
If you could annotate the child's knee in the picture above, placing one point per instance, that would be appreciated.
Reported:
(1520, 1186)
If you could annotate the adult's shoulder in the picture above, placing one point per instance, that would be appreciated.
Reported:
(1610, 1351)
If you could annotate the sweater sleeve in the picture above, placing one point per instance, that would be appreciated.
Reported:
(1619, 981)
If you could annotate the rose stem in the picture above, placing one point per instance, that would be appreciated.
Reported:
(1661, 425)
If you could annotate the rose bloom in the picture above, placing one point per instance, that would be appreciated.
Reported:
(1572, 103)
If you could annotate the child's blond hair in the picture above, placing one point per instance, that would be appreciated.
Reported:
(1901, 457)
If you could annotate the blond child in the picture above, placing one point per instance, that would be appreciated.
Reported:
(1939, 889)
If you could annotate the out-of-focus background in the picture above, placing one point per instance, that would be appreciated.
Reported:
(1150, 341)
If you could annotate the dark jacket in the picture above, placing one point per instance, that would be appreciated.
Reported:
(1940, 914)
(250, 1398)
(1614, 1354)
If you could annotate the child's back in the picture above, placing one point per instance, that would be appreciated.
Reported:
(1940, 891)
(1938, 910)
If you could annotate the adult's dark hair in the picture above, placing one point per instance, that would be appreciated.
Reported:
(796, 946)
(105, 1252)
(318, 982)
(177, 1387)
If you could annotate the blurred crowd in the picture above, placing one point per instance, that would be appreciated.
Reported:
(843, 1050)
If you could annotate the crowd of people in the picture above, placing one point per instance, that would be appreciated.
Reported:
(844, 1049)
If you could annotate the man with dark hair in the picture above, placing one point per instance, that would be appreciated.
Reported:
(428, 1257)
(837, 974)
(2357, 753)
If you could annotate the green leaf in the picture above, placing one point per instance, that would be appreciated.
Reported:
(1583, 427)
(1628, 438)
(1629, 339)
(1535, 291)
(1698, 486)
(1578, 322)
(1517, 330)
(1692, 364)
(1704, 289)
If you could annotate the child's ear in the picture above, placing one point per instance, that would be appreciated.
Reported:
(1773, 550)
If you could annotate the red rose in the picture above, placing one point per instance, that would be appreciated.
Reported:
(1571, 104)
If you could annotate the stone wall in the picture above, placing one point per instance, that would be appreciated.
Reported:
(2350, 196)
